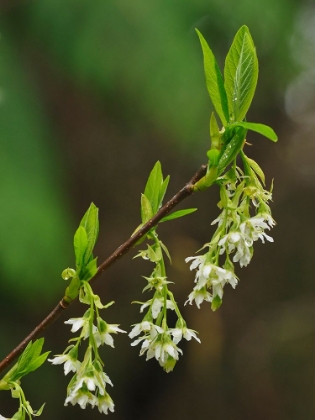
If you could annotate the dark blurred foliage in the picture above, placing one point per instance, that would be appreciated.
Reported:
(92, 94)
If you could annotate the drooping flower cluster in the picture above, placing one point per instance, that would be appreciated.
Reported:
(158, 340)
(88, 385)
(244, 219)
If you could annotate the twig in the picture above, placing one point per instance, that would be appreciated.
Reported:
(123, 249)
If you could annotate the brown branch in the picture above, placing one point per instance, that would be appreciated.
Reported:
(123, 249)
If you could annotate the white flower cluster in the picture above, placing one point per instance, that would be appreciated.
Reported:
(242, 240)
(236, 233)
(88, 385)
(161, 343)
(158, 340)
(208, 276)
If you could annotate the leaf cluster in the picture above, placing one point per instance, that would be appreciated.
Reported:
(84, 241)
(231, 96)
(30, 360)
(152, 198)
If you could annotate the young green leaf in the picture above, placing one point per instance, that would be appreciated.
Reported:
(177, 214)
(240, 74)
(90, 270)
(214, 81)
(73, 289)
(163, 190)
(256, 168)
(262, 129)
(30, 360)
(232, 148)
(146, 209)
(91, 224)
(153, 186)
(80, 243)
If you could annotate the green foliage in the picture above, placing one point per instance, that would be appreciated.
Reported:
(91, 225)
(155, 190)
(240, 74)
(239, 85)
(30, 360)
(214, 81)
(84, 241)
(256, 168)
(177, 214)
(262, 129)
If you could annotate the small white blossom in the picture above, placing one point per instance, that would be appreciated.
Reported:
(161, 348)
(78, 323)
(144, 326)
(199, 296)
(239, 241)
(103, 333)
(105, 403)
(254, 228)
(150, 330)
(70, 363)
(81, 397)
(158, 304)
(179, 333)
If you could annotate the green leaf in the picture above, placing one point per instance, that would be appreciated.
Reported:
(232, 148)
(177, 214)
(240, 74)
(146, 209)
(90, 270)
(91, 225)
(35, 364)
(30, 360)
(163, 189)
(80, 243)
(214, 81)
(263, 129)
(256, 168)
(214, 132)
(73, 289)
(153, 186)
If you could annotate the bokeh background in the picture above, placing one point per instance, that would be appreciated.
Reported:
(92, 93)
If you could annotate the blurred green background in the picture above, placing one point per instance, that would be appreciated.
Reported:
(92, 93)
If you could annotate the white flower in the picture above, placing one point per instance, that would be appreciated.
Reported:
(78, 323)
(198, 260)
(71, 364)
(254, 228)
(158, 304)
(105, 403)
(199, 296)
(179, 333)
(81, 397)
(161, 348)
(150, 330)
(103, 333)
(240, 241)
(145, 326)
